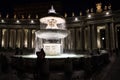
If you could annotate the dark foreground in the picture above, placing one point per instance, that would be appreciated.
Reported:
(106, 71)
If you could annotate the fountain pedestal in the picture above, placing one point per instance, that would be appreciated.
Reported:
(52, 49)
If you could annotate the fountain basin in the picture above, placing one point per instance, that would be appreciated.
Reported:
(51, 33)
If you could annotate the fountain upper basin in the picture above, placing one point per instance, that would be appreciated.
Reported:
(51, 33)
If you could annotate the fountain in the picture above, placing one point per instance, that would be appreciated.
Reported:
(50, 37)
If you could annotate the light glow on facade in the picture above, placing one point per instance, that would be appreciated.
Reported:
(76, 19)
(32, 21)
(107, 13)
(89, 15)
(3, 21)
(17, 21)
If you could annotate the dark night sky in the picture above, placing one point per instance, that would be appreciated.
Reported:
(6, 6)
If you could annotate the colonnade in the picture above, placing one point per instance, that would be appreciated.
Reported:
(91, 37)
(88, 37)
(21, 38)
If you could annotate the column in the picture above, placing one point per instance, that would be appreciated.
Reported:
(72, 39)
(8, 37)
(82, 39)
(75, 39)
(112, 36)
(4, 37)
(116, 36)
(33, 39)
(36, 45)
(14, 41)
(0, 37)
(78, 39)
(94, 37)
(86, 38)
(11, 38)
(107, 36)
(89, 38)
(26, 36)
(22, 38)
(29, 38)
(68, 41)
(16, 31)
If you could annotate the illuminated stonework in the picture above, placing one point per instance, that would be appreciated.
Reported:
(50, 37)
(99, 7)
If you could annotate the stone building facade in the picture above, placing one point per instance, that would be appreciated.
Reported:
(89, 32)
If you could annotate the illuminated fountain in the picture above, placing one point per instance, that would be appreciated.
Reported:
(51, 34)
